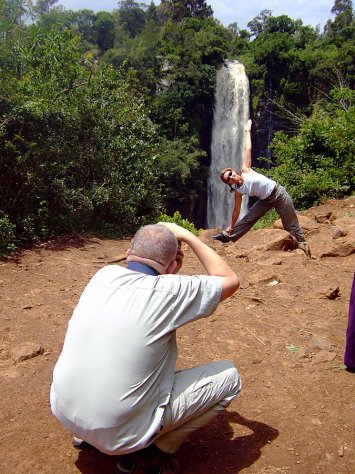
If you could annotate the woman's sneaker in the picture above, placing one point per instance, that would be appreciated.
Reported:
(222, 237)
(305, 247)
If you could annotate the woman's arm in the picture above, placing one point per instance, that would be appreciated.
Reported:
(247, 148)
(236, 211)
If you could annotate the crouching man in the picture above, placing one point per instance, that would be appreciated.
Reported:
(114, 385)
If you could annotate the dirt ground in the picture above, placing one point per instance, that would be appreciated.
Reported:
(284, 330)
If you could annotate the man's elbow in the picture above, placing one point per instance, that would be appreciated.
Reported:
(236, 284)
(230, 286)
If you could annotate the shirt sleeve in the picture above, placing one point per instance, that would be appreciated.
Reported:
(195, 297)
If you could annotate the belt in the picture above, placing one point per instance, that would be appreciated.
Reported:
(273, 192)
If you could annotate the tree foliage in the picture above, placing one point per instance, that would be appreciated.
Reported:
(132, 15)
(177, 10)
(319, 162)
(72, 142)
(44, 6)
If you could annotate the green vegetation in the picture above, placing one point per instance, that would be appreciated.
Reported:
(319, 161)
(267, 220)
(177, 219)
(7, 236)
(105, 118)
(292, 347)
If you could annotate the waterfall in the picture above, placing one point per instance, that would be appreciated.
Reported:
(231, 112)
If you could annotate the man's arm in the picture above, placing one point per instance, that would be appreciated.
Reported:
(213, 263)
(247, 147)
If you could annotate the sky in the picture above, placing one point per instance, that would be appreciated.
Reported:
(311, 12)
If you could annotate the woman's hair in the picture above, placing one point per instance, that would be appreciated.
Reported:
(222, 172)
(155, 242)
(221, 175)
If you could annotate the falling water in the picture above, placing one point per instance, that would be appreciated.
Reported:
(231, 112)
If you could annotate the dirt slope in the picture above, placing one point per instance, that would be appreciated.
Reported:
(284, 330)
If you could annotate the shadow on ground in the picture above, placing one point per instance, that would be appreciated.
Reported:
(214, 448)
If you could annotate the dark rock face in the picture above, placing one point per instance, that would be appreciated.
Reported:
(265, 124)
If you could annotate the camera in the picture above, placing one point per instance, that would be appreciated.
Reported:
(178, 253)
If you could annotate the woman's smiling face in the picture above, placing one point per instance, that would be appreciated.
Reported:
(232, 177)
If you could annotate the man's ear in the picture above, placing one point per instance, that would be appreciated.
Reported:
(171, 267)
(128, 252)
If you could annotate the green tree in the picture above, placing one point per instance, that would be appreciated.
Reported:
(176, 164)
(177, 10)
(74, 141)
(192, 50)
(318, 162)
(14, 12)
(56, 18)
(258, 24)
(281, 24)
(280, 61)
(81, 22)
(104, 24)
(132, 16)
(43, 6)
(342, 27)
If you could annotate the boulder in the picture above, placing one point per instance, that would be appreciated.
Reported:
(318, 342)
(324, 217)
(342, 250)
(338, 232)
(307, 224)
(264, 277)
(280, 240)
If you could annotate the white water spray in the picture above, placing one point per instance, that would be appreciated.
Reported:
(231, 112)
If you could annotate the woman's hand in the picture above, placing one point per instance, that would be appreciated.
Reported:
(248, 126)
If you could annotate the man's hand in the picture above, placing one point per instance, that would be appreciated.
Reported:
(180, 232)
(179, 258)
(181, 235)
(212, 262)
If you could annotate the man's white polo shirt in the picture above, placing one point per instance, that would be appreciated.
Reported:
(114, 376)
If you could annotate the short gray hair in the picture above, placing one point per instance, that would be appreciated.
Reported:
(155, 242)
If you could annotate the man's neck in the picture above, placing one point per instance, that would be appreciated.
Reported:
(142, 268)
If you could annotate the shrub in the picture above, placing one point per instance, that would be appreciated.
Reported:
(177, 219)
(7, 235)
(319, 162)
(77, 146)
(267, 220)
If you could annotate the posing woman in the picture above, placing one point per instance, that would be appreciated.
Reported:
(270, 195)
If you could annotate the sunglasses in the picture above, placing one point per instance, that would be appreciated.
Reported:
(230, 174)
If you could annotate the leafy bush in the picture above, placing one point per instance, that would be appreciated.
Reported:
(177, 219)
(267, 220)
(7, 236)
(319, 162)
(78, 154)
